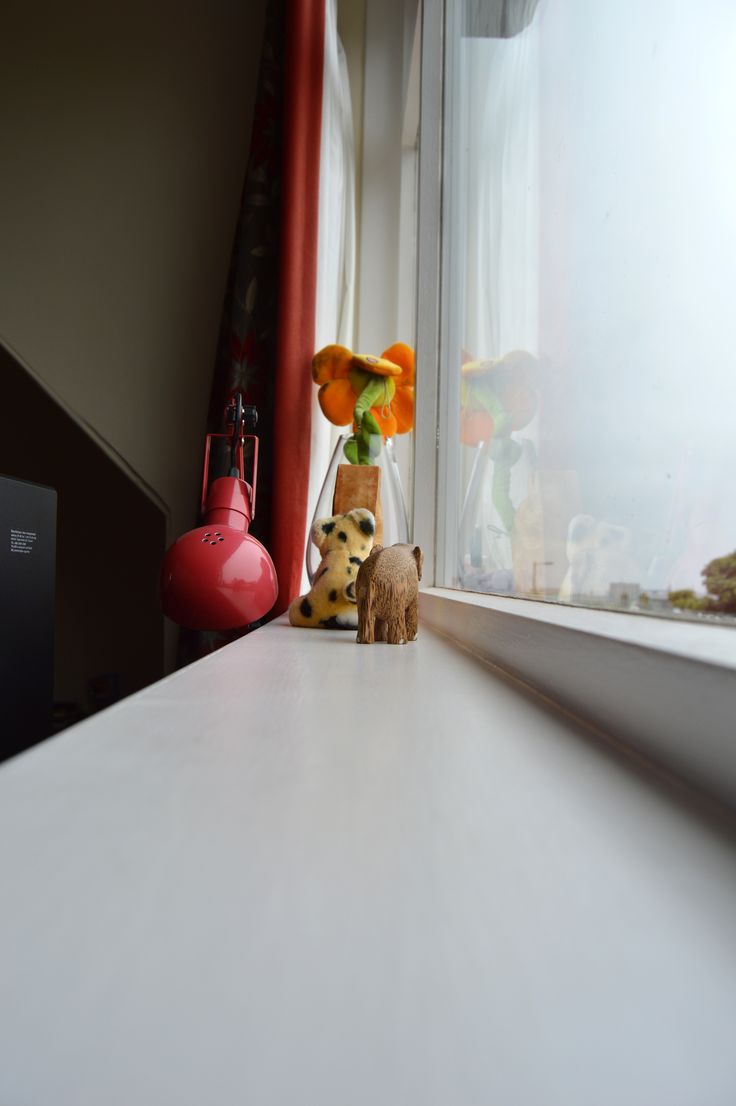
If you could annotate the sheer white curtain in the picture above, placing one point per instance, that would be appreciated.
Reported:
(336, 246)
(501, 114)
(495, 228)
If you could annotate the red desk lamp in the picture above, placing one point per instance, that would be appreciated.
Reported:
(219, 577)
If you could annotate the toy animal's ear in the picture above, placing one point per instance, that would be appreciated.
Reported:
(366, 521)
(321, 528)
(419, 558)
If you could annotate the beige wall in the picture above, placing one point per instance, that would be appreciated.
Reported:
(124, 132)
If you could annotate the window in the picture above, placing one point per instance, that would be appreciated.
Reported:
(590, 268)
(576, 445)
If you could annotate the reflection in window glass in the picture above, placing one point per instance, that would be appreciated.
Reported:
(591, 312)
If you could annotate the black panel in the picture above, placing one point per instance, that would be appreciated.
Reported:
(27, 568)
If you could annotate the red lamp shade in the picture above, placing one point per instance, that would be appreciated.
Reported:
(219, 577)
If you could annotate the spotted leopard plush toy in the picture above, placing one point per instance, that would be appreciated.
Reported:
(344, 542)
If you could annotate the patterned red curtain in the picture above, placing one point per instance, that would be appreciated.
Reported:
(267, 333)
(298, 289)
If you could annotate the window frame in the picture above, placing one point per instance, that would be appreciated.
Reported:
(663, 688)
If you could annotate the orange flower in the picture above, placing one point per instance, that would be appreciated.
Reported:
(344, 376)
(330, 368)
(402, 405)
(337, 400)
(475, 426)
(498, 396)
(331, 363)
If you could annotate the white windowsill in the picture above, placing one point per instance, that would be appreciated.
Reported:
(695, 640)
(666, 689)
(307, 871)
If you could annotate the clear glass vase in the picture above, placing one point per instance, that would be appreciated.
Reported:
(489, 534)
(393, 504)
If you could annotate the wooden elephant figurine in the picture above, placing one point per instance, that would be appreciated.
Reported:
(387, 589)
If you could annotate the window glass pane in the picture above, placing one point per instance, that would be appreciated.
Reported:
(590, 303)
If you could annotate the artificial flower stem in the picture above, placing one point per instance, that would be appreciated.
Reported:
(489, 402)
(501, 494)
(501, 482)
(375, 390)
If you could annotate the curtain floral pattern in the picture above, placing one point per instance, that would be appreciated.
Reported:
(267, 332)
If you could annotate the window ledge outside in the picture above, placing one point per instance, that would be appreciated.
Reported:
(665, 688)
(690, 638)
(308, 871)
